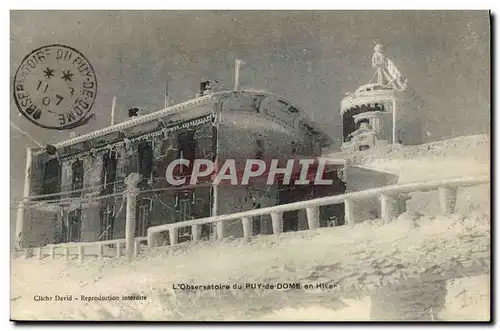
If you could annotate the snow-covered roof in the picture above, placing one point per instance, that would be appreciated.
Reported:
(366, 94)
(172, 110)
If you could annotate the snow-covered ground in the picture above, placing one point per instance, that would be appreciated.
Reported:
(458, 157)
(421, 266)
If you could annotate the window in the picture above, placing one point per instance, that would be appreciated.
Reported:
(364, 120)
(186, 147)
(260, 149)
(51, 182)
(283, 104)
(348, 122)
(257, 100)
(107, 222)
(256, 220)
(187, 144)
(184, 201)
(74, 225)
(142, 217)
(77, 180)
(145, 162)
(109, 172)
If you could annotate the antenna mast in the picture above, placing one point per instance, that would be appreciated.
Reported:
(237, 65)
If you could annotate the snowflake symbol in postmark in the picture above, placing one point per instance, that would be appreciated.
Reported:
(67, 75)
(48, 73)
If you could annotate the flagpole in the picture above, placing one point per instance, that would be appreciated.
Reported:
(219, 226)
(113, 106)
(26, 134)
(237, 64)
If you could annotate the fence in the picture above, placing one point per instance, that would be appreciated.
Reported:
(392, 201)
(53, 249)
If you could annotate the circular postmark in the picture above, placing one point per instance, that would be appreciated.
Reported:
(55, 87)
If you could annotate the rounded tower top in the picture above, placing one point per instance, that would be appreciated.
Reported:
(387, 83)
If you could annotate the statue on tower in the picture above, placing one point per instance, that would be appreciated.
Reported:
(387, 73)
(379, 62)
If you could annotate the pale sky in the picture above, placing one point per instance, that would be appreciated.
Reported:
(311, 58)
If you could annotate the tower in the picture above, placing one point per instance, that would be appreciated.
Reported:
(381, 112)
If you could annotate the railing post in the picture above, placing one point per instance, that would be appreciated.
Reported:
(28, 252)
(39, 253)
(100, 251)
(153, 238)
(196, 231)
(52, 252)
(389, 207)
(277, 222)
(137, 248)
(220, 230)
(247, 227)
(66, 253)
(81, 253)
(312, 217)
(131, 193)
(447, 199)
(118, 250)
(173, 234)
(348, 212)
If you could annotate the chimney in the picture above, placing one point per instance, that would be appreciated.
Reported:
(133, 112)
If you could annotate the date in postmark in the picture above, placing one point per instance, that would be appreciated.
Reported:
(55, 87)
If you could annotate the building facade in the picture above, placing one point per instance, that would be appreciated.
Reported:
(74, 189)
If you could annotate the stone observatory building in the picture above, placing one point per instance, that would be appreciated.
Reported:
(74, 189)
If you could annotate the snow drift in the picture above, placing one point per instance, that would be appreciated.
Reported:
(422, 266)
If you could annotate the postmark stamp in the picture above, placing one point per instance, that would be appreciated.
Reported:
(55, 87)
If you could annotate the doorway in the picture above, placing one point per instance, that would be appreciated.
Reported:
(256, 221)
(107, 222)
(144, 208)
(74, 226)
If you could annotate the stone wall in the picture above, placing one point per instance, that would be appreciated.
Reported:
(41, 229)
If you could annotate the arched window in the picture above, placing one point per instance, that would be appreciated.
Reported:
(107, 221)
(109, 171)
(145, 161)
(74, 225)
(77, 180)
(260, 148)
(143, 214)
(187, 145)
(51, 177)
(186, 149)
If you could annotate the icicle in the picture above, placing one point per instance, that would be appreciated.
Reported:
(127, 143)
